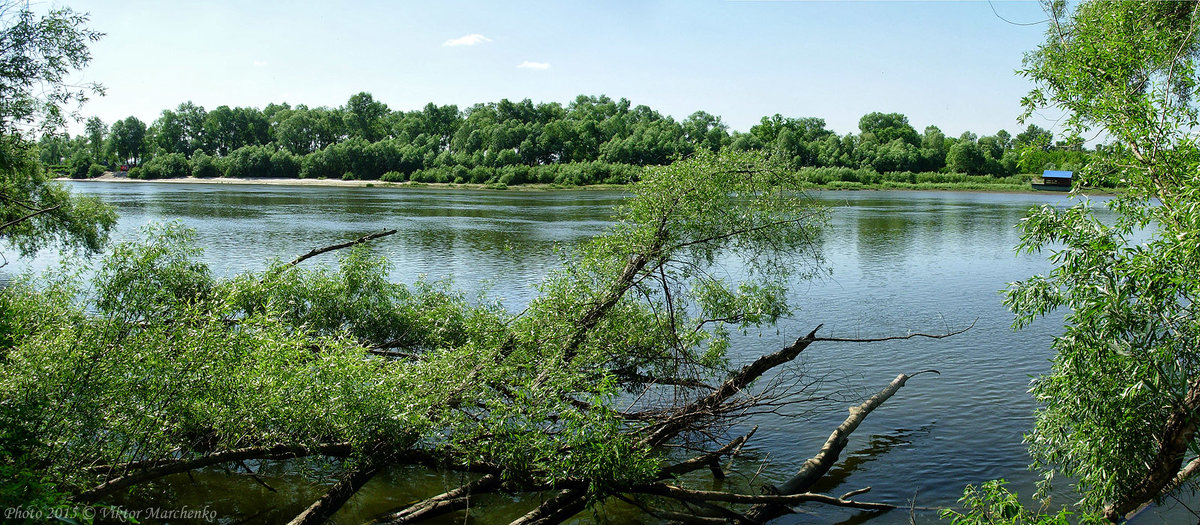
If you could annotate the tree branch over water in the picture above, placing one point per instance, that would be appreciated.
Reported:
(615, 381)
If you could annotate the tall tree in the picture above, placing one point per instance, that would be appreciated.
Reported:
(886, 127)
(129, 139)
(705, 130)
(1121, 406)
(364, 117)
(96, 131)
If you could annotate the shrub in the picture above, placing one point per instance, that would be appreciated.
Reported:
(169, 166)
(204, 166)
(95, 170)
(249, 161)
(284, 165)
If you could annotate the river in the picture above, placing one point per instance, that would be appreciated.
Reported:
(901, 262)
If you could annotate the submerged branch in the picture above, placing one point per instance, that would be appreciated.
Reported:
(896, 337)
(443, 503)
(817, 466)
(341, 492)
(184, 465)
(679, 493)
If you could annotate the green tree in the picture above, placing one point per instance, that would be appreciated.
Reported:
(934, 148)
(291, 362)
(364, 117)
(96, 131)
(965, 157)
(129, 140)
(37, 53)
(1034, 136)
(705, 130)
(883, 128)
(1119, 409)
(221, 131)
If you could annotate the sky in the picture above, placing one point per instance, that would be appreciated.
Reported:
(946, 63)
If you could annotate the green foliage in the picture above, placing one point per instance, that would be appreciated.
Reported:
(1118, 407)
(35, 212)
(129, 140)
(37, 55)
(883, 128)
(81, 161)
(95, 170)
(167, 361)
(248, 162)
(204, 166)
(965, 157)
(169, 166)
(593, 140)
(992, 504)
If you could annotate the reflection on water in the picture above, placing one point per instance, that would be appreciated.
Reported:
(901, 262)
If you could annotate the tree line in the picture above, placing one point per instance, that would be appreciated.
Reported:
(593, 139)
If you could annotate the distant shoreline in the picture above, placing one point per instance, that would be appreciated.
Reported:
(110, 177)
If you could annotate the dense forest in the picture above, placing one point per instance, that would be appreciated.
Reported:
(589, 141)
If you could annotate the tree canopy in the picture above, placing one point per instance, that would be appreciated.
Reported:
(592, 139)
(36, 54)
(1118, 411)
(616, 380)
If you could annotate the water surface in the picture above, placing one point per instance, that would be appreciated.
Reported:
(901, 262)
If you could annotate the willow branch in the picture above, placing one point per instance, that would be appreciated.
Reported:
(318, 251)
(682, 494)
(29, 216)
(337, 496)
(178, 466)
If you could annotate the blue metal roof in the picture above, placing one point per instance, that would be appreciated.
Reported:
(1051, 174)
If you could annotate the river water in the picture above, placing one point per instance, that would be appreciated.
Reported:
(901, 262)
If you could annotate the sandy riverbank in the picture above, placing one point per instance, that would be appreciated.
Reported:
(115, 178)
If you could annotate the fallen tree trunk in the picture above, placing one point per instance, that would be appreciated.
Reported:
(184, 465)
(818, 465)
(337, 495)
(444, 503)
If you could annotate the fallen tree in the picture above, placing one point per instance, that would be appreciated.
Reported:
(615, 382)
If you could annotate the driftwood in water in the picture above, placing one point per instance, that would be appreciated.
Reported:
(699, 410)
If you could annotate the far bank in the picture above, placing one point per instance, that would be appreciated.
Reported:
(1014, 184)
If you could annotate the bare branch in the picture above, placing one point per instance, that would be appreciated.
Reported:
(318, 251)
(816, 467)
(896, 337)
(29, 216)
(443, 503)
(178, 466)
(671, 491)
(341, 492)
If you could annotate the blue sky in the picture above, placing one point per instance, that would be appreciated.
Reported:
(945, 63)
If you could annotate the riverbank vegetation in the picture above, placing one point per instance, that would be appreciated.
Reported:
(616, 382)
(592, 140)
(1120, 409)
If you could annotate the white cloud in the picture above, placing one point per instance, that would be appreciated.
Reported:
(534, 65)
(467, 40)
